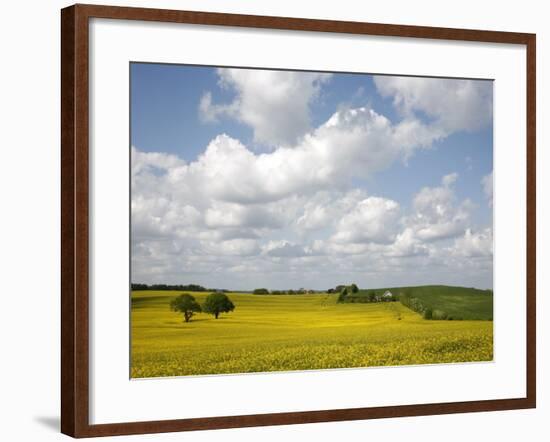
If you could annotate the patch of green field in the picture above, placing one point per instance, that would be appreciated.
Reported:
(457, 302)
(282, 333)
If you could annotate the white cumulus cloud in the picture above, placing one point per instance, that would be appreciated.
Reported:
(284, 249)
(474, 244)
(352, 143)
(437, 214)
(372, 220)
(453, 104)
(275, 104)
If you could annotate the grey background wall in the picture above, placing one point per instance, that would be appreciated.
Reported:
(29, 217)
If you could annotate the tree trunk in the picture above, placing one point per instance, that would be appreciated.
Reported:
(186, 316)
(216, 314)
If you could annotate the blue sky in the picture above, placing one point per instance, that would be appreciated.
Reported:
(391, 142)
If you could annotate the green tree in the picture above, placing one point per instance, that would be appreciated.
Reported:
(372, 296)
(185, 304)
(261, 292)
(216, 303)
(354, 288)
(405, 298)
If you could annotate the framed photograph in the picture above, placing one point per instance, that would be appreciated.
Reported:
(272, 221)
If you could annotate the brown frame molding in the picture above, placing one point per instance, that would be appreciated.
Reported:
(74, 219)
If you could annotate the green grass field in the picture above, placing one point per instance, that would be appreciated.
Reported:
(300, 332)
(457, 302)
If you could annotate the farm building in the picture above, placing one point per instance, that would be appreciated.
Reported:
(387, 295)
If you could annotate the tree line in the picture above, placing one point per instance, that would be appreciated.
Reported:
(350, 294)
(302, 291)
(427, 312)
(264, 291)
(161, 287)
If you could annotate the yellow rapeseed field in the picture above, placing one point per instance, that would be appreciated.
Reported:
(294, 332)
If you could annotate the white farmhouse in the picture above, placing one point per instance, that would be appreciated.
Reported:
(387, 295)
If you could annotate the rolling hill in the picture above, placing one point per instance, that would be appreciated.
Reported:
(454, 302)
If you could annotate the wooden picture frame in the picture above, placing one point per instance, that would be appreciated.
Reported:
(75, 378)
